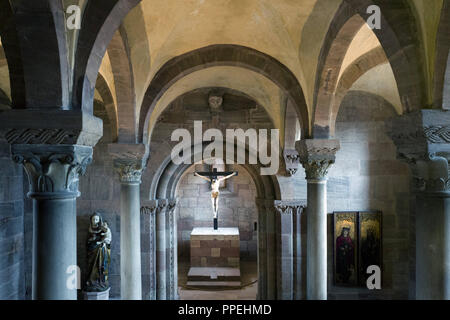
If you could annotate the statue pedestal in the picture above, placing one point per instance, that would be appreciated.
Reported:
(215, 256)
(103, 295)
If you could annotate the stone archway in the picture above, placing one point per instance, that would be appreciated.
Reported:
(442, 63)
(397, 42)
(222, 55)
(163, 280)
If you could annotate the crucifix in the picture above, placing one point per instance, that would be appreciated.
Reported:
(215, 177)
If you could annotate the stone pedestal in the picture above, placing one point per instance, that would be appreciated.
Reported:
(104, 295)
(215, 257)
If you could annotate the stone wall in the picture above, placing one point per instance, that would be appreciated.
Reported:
(12, 264)
(237, 208)
(100, 191)
(367, 176)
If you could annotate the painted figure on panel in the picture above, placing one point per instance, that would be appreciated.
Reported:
(345, 258)
(370, 243)
(98, 254)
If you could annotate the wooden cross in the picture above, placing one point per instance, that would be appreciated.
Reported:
(215, 174)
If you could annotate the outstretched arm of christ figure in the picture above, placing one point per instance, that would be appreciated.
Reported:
(228, 176)
(203, 177)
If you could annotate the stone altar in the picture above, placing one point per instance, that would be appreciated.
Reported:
(215, 256)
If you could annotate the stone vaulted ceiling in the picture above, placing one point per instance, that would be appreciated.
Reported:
(291, 32)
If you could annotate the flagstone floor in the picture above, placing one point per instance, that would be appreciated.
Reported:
(247, 292)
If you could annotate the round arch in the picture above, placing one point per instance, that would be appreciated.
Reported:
(215, 88)
(353, 72)
(397, 40)
(108, 101)
(442, 63)
(163, 188)
(101, 19)
(222, 55)
(124, 84)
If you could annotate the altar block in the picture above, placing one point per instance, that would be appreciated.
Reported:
(215, 257)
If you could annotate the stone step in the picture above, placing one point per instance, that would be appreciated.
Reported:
(214, 274)
(214, 283)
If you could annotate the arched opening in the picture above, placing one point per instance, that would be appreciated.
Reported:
(338, 58)
(237, 209)
(221, 55)
(266, 189)
(245, 198)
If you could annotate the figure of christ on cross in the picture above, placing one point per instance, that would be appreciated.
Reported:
(215, 178)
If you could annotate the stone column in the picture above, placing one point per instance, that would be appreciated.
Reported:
(262, 256)
(271, 253)
(423, 141)
(161, 253)
(53, 172)
(129, 164)
(284, 251)
(148, 210)
(316, 156)
(298, 254)
(55, 148)
(289, 268)
(171, 253)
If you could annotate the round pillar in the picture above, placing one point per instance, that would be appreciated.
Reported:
(53, 172)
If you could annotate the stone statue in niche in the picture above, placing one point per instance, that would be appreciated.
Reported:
(98, 254)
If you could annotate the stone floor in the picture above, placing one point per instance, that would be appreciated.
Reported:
(247, 292)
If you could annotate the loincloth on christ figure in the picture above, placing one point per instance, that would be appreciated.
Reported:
(215, 194)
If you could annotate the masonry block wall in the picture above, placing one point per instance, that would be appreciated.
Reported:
(12, 262)
(236, 209)
(367, 176)
(100, 191)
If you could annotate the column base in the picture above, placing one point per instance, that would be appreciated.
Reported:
(103, 295)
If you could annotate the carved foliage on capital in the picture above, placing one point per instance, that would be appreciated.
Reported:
(149, 208)
(290, 206)
(129, 171)
(291, 160)
(162, 206)
(422, 140)
(53, 169)
(316, 168)
(317, 156)
(129, 161)
(431, 174)
(171, 205)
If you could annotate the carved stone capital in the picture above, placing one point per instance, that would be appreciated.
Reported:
(291, 160)
(422, 139)
(129, 171)
(316, 156)
(149, 207)
(129, 161)
(162, 206)
(53, 171)
(289, 206)
(171, 205)
(50, 127)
